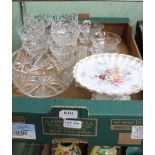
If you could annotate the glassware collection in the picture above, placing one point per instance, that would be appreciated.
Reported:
(58, 49)
(43, 66)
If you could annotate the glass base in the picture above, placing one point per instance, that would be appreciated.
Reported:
(96, 96)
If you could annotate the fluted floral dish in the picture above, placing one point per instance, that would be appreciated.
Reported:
(110, 73)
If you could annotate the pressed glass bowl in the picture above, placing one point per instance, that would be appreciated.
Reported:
(41, 77)
(104, 42)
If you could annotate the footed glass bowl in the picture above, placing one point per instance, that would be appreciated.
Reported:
(104, 42)
(41, 76)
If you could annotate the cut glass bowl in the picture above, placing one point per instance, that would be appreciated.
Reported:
(41, 76)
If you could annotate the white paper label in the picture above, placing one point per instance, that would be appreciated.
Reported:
(23, 131)
(68, 114)
(72, 124)
(137, 132)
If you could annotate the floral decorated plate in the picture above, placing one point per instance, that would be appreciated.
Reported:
(110, 73)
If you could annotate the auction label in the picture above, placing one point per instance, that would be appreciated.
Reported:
(72, 124)
(23, 131)
(125, 124)
(72, 127)
(68, 114)
(137, 132)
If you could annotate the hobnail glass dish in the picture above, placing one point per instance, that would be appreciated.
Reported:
(41, 76)
(104, 42)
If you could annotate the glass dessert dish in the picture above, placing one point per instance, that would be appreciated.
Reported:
(104, 42)
(116, 76)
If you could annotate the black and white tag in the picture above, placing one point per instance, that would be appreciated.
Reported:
(23, 131)
(68, 114)
(137, 132)
(72, 124)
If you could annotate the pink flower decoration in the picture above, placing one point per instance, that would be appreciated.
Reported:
(117, 81)
(102, 77)
(108, 71)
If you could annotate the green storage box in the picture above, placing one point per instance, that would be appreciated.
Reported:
(134, 151)
(95, 122)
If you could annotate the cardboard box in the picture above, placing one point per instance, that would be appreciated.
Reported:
(103, 122)
(128, 45)
(92, 122)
